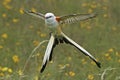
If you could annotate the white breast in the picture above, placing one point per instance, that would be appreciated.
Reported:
(51, 23)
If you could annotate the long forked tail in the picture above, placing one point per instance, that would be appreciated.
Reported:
(55, 40)
(70, 41)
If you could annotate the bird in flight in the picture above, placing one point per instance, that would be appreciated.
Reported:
(57, 36)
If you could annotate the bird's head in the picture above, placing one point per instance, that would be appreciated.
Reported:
(49, 17)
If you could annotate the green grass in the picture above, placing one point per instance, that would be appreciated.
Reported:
(20, 33)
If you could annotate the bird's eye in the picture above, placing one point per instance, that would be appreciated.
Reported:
(48, 17)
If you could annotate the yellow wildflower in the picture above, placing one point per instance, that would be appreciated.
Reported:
(90, 10)
(1, 46)
(4, 69)
(84, 4)
(6, 4)
(67, 65)
(15, 20)
(108, 57)
(117, 54)
(33, 9)
(15, 59)
(83, 61)
(71, 73)
(119, 60)
(8, 7)
(90, 77)
(4, 35)
(69, 58)
(61, 66)
(21, 11)
(4, 15)
(10, 70)
(36, 78)
(42, 35)
(7, 1)
(93, 63)
(35, 43)
(82, 25)
(110, 50)
(51, 62)
(20, 72)
(93, 6)
(1, 74)
(105, 15)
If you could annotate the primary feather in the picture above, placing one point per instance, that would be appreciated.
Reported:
(75, 17)
(36, 14)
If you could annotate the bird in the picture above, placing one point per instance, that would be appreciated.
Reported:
(57, 36)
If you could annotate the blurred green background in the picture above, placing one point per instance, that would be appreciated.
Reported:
(21, 33)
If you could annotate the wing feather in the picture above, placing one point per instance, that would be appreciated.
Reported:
(75, 17)
(36, 14)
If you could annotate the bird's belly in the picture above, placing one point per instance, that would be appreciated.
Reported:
(56, 30)
(53, 27)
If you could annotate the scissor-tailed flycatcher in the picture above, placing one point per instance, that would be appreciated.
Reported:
(57, 36)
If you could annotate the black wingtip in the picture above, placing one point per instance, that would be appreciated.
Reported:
(93, 15)
(25, 11)
(98, 64)
(28, 11)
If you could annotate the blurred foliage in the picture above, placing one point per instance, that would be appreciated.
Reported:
(21, 33)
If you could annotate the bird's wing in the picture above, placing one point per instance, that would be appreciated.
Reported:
(48, 52)
(70, 41)
(36, 14)
(75, 17)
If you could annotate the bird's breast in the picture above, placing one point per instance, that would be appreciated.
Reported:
(51, 24)
(53, 27)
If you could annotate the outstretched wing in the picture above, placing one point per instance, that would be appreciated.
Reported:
(36, 14)
(48, 52)
(75, 17)
(70, 41)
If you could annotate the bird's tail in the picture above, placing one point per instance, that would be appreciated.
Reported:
(67, 40)
(55, 40)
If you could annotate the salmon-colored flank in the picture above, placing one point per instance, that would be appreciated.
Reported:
(58, 18)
